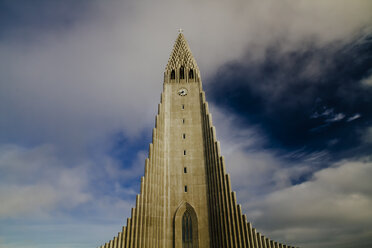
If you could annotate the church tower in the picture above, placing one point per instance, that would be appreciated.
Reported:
(186, 199)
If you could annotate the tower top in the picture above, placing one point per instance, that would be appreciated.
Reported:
(181, 55)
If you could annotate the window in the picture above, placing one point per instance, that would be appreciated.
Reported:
(173, 74)
(184, 170)
(183, 106)
(184, 136)
(185, 188)
(186, 230)
(182, 73)
(183, 121)
(191, 74)
(184, 152)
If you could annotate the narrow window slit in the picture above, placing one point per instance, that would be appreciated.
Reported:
(191, 74)
(185, 188)
(184, 136)
(184, 170)
(184, 152)
(182, 73)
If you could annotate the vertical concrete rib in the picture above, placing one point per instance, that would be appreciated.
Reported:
(230, 210)
(210, 178)
(141, 215)
(218, 192)
(123, 240)
(268, 244)
(265, 242)
(151, 196)
(254, 236)
(137, 223)
(224, 200)
(119, 240)
(146, 204)
(236, 220)
(241, 226)
(220, 210)
(133, 221)
(115, 243)
(214, 205)
(259, 240)
(129, 224)
(246, 232)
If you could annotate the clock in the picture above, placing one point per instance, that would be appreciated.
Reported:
(182, 92)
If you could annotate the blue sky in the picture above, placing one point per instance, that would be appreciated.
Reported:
(289, 86)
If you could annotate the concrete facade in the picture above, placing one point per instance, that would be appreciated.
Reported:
(186, 198)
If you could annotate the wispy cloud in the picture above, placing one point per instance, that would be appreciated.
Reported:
(354, 117)
(335, 202)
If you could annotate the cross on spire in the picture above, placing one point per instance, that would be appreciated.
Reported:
(180, 30)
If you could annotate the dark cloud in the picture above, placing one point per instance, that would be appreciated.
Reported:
(309, 98)
(26, 15)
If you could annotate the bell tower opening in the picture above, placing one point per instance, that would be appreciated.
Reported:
(182, 72)
(191, 74)
(173, 75)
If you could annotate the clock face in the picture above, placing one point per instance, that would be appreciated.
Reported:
(182, 92)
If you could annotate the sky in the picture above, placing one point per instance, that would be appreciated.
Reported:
(289, 84)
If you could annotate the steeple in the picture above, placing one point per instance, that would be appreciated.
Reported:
(186, 198)
(181, 64)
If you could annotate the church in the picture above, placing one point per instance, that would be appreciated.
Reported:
(186, 200)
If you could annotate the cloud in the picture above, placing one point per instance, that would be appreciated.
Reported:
(75, 75)
(329, 115)
(354, 117)
(256, 171)
(335, 203)
(73, 85)
(293, 109)
(73, 78)
(42, 196)
(291, 197)
(368, 136)
(367, 81)
(336, 117)
(36, 182)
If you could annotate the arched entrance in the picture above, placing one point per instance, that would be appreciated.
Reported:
(186, 227)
